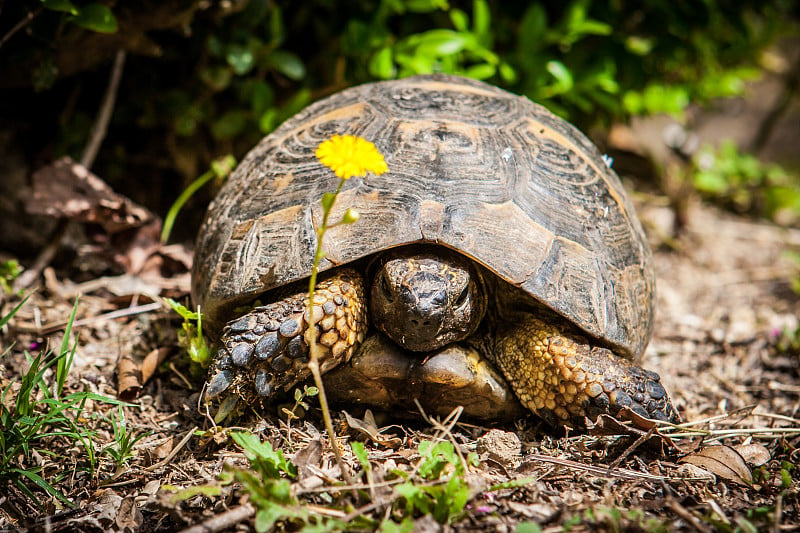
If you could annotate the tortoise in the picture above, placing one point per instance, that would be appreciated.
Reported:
(498, 263)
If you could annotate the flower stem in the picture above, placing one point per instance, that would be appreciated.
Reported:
(313, 363)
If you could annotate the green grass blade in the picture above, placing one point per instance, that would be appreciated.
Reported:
(42, 484)
(4, 319)
(66, 354)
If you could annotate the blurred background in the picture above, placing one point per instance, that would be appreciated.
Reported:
(691, 99)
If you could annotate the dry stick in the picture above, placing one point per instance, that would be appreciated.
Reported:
(21, 24)
(100, 126)
(224, 520)
(790, 86)
(186, 438)
(98, 133)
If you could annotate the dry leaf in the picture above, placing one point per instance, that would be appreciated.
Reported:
(307, 457)
(129, 377)
(370, 429)
(754, 454)
(608, 425)
(722, 461)
(66, 189)
(151, 362)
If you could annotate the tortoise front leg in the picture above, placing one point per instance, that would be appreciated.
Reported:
(563, 378)
(266, 350)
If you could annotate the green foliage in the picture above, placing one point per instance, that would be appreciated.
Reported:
(742, 182)
(33, 414)
(445, 492)
(244, 67)
(300, 405)
(269, 488)
(190, 336)
(9, 271)
(122, 448)
(94, 17)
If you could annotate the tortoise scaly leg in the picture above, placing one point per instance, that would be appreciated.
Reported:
(563, 378)
(266, 350)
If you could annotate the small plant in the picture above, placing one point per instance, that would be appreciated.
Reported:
(122, 448)
(299, 402)
(269, 488)
(445, 492)
(9, 271)
(190, 336)
(742, 182)
(219, 170)
(32, 415)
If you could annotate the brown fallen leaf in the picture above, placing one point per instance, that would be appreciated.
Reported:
(369, 428)
(129, 377)
(151, 362)
(67, 189)
(308, 456)
(722, 461)
(755, 454)
(607, 425)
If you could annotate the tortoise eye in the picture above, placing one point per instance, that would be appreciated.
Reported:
(462, 297)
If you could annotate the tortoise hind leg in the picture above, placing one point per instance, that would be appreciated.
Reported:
(563, 379)
(266, 350)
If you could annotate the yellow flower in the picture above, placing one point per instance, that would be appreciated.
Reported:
(349, 156)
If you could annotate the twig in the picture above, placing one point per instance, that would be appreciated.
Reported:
(21, 24)
(791, 83)
(100, 126)
(684, 513)
(173, 453)
(224, 520)
(602, 471)
(119, 313)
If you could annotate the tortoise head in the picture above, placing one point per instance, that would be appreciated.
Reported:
(426, 300)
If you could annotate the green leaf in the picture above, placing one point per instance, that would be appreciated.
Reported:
(328, 199)
(60, 5)
(563, 76)
(241, 59)
(218, 78)
(268, 120)
(361, 454)
(508, 73)
(288, 64)
(441, 42)
(529, 527)
(425, 6)
(480, 72)
(182, 310)
(229, 125)
(261, 98)
(96, 17)
(459, 19)
(481, 21)
(381, 64)
(532, 29)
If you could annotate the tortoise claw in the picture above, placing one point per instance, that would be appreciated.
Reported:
(219, 383)
(266, 350)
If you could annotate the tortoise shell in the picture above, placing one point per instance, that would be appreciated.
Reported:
(472, 167)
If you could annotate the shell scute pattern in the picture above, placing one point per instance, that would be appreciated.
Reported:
(473, 168)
